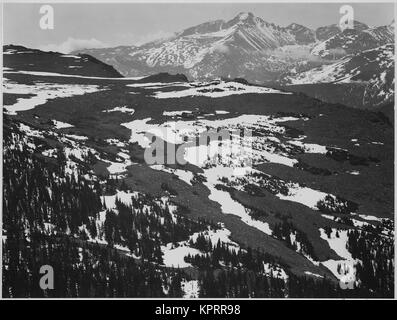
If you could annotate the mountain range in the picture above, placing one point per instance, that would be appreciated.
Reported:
(362, 80)
(245, 46)
(243, 35)
(264, 53)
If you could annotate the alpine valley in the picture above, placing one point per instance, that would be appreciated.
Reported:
(312, 215)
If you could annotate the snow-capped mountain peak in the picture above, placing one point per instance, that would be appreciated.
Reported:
(244, 15)
(246, 18)
(203, 28)
(244, 46)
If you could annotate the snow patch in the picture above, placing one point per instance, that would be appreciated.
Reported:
(42, 93)
(123, 109)
(61, 125)
(217, 90)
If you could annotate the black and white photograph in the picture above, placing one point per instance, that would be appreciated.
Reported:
(198, 150)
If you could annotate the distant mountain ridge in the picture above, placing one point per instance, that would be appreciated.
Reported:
(22, 58)
(245, 46)
(326, 32)
(354, 41)
(362, 80)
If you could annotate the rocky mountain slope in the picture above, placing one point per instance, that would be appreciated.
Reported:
(241, 47)
(326, 32)
(26, 59)
(352, 41)
(245, 46)
(370, 74)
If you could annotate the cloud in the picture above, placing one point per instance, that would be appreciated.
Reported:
(295, 53)
(72, 44)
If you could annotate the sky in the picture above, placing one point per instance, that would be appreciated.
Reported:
(87, 25)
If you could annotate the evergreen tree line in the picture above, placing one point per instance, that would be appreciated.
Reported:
(225, 271)
(45, 211)
(50, 217)
(81, 269)
(376, 253)
(145, 225)
(302, 244)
